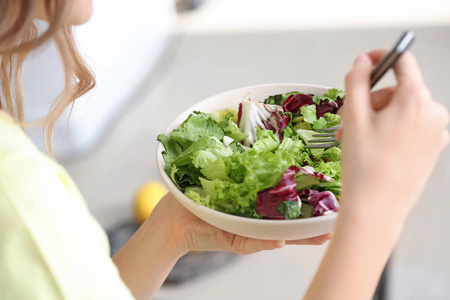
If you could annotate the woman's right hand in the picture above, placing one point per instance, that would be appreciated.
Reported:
(391, 142)
(392, 139)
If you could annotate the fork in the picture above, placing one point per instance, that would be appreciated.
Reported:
(327, 137)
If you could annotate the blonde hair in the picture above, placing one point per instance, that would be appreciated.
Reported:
(18, 36)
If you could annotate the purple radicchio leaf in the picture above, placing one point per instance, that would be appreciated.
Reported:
(326, 106)
(239, 113)
(308, 170)
(265, 116)
(270, 199)
(324, 203)
(294, 102)
(277, 122)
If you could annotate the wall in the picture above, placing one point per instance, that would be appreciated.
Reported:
(122, 43)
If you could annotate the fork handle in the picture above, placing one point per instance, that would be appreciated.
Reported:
(389, 60)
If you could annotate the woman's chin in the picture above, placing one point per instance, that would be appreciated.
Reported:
(80, 13)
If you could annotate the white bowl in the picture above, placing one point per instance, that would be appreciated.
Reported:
(254, 228)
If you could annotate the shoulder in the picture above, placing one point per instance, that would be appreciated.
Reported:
(24, 170)
(34, 188)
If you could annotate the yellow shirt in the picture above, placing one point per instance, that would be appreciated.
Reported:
(50, 245)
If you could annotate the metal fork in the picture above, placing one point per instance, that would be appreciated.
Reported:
(327, 139)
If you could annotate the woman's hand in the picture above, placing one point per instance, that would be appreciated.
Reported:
(392, 138)
(391, 142)
(189, 233)
(171, 231)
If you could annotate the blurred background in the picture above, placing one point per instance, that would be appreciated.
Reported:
(154, 59)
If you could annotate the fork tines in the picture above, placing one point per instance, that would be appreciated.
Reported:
(329, 129)
(329, 145)
(328, 135)
(323, 134)
(322, 140)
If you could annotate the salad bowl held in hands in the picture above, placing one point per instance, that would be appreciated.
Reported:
(294, 193)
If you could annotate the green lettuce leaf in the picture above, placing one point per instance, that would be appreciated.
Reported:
(288, 131)
(199, 196)
(333, 186)
(307, 210)
(232, 130)
(335, 93)
(292, 150)
(306, 181)
(185, 158)
(197, 125)
(275, 99)
(233, 182)
(266, 140)
(332, 95)
(332, 119)
(202, 158)
(321, 123)
(238, 147)
(307, 135)
(331, 154)
(184, 176)
(280, 98)
(185, 168)
(263, 167)
(309, 113)
(229, 197)
(172, 148)
(331, 169)
(225, 119)
(290, 209)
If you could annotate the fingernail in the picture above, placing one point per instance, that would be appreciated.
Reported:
(361, 59)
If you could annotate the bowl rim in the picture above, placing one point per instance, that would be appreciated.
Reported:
(174, 189)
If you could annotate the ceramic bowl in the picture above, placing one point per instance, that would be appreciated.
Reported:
(254, 228)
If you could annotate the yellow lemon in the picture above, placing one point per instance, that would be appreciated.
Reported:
(147, 196)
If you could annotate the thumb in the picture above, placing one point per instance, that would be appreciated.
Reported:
(357, 95)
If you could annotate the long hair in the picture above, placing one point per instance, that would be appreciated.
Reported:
(18, 36)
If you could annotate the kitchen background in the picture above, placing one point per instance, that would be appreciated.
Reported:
(154, 59)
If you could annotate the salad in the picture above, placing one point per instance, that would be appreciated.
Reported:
(252, 161)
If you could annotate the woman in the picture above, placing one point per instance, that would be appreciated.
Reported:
(52, 248)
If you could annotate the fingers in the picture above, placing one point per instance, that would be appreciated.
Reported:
(244, 245)
(357, 81)
(406, 68)
(357, 85)
(377, 55)
(338, 135)
(381, 98)
(318, 240)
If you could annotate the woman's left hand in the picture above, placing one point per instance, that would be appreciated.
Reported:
(189, 233)
(170, 232)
